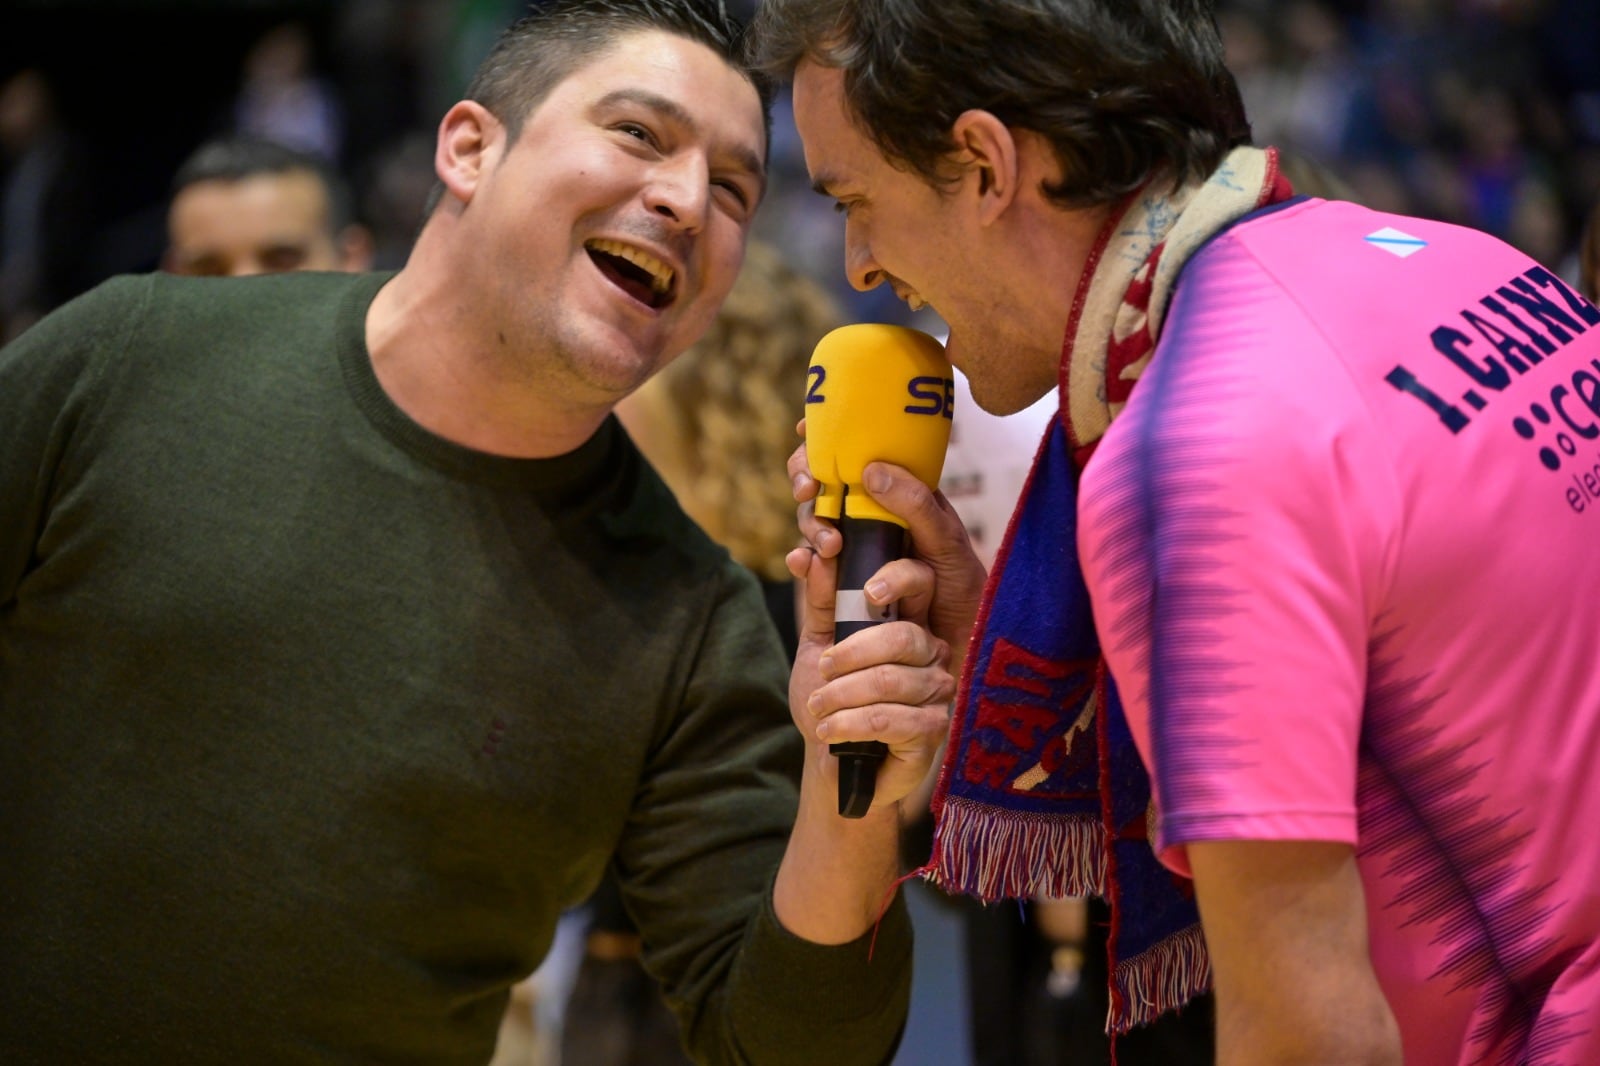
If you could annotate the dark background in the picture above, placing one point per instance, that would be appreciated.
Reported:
(1482, 112)
(142, 83)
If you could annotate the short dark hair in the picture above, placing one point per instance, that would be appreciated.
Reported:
(236, 157)
(1125, 91)
(540, 49)
(543, 47)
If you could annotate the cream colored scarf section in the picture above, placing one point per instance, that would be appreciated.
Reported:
(1178, 222)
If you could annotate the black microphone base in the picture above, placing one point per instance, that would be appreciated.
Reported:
(858, 774)
(868, 544)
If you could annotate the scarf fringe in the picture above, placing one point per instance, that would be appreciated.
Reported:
(982, 851)
(1159, 980)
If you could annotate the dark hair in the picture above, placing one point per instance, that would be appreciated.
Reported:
(540, 49)
(1125, 91)
(234, 158)
(543, 47)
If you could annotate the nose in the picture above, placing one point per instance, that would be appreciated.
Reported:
(859, 266)
(680, 190)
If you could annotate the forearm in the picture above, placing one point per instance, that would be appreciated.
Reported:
(1329, 1032)
(1285, 924)
(838, 873)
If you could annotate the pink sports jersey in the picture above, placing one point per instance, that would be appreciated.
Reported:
(1343, 546)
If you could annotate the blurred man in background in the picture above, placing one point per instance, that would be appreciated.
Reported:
(242, 205)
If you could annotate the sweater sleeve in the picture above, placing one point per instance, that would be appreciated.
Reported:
(698, 858)
(46, 378)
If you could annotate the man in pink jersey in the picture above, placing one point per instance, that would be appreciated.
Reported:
(1296, 619)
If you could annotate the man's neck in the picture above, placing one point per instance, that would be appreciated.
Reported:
(423, 358)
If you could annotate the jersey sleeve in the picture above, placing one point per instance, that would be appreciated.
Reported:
(1235, 526)
(699, 855)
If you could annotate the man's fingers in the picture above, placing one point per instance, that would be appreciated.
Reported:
(937, 532)
(798, 561)
(799, 467)
(939, 538)
(880, 686)
(817, 532)
(818, 577)
(903, 581)
(900, 643)
(895, 663)
(895, 724)
(923, 508)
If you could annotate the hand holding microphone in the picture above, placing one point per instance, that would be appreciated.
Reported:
(874, 392)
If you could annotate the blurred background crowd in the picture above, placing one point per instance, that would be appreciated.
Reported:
(1483, 112)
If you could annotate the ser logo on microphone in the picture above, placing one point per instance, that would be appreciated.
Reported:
(932, 395)
(936, 396)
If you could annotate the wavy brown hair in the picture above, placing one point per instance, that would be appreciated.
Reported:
(1125, 91)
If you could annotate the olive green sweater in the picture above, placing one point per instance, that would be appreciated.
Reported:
(312, 723)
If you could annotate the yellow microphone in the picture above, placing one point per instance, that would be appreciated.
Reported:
(874, 392)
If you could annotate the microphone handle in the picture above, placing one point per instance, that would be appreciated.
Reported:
(868, 544)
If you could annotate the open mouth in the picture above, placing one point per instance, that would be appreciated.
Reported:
(634, 271)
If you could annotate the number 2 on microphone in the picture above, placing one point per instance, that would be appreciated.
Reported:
(818, 375)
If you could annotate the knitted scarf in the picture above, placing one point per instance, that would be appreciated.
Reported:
(1043, 793)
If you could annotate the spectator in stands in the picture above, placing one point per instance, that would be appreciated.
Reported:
(245, 205)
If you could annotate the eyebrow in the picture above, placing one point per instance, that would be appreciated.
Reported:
(679, 114)
(820, 184)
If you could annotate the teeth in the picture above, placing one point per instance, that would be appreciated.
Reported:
(660, 273)
(915, 302)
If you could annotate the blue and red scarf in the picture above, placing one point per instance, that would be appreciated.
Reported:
(1043, 794)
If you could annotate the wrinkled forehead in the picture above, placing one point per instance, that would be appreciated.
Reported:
(704, 87)
(834, 144)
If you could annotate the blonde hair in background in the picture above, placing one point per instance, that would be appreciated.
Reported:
(1589, 256)
(719, 422)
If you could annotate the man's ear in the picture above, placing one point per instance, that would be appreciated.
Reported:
(468, 137)
(988, 150)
